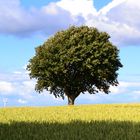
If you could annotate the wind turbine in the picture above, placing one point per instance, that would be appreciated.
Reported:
(5, 101)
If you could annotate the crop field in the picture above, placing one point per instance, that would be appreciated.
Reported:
(81, 122)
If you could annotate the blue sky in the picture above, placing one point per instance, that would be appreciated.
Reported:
(25, 24)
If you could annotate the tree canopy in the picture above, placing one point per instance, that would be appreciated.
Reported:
(76, 60)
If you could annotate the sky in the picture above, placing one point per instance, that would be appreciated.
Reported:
(26, 24)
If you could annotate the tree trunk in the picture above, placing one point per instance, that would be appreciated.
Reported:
(71, 100)
(71, 97)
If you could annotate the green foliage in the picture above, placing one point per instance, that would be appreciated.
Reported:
(74, 61)
(121, 122)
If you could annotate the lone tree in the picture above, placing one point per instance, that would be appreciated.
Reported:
(74, 61)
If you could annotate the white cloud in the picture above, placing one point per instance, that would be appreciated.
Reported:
(120, 18)
(21, 101)
(137, 92)
(51, 9)
(111, 5)
(126, 12)
(27, 87)
(125, 87)
(17, 72)
(78, 7)
(114, 18)
(17, 83)
(48, 19)
(114, 90)
(130, 84)
(122, 21)
(6, 87)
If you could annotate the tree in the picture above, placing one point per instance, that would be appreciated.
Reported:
(74, 61)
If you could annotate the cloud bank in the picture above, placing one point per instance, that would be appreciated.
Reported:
(19, 90)
(122, 21)
(120, 18)
(16, 20)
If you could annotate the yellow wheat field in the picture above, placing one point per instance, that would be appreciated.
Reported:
(109, 122)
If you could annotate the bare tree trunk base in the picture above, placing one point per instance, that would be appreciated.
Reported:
(71, 100)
